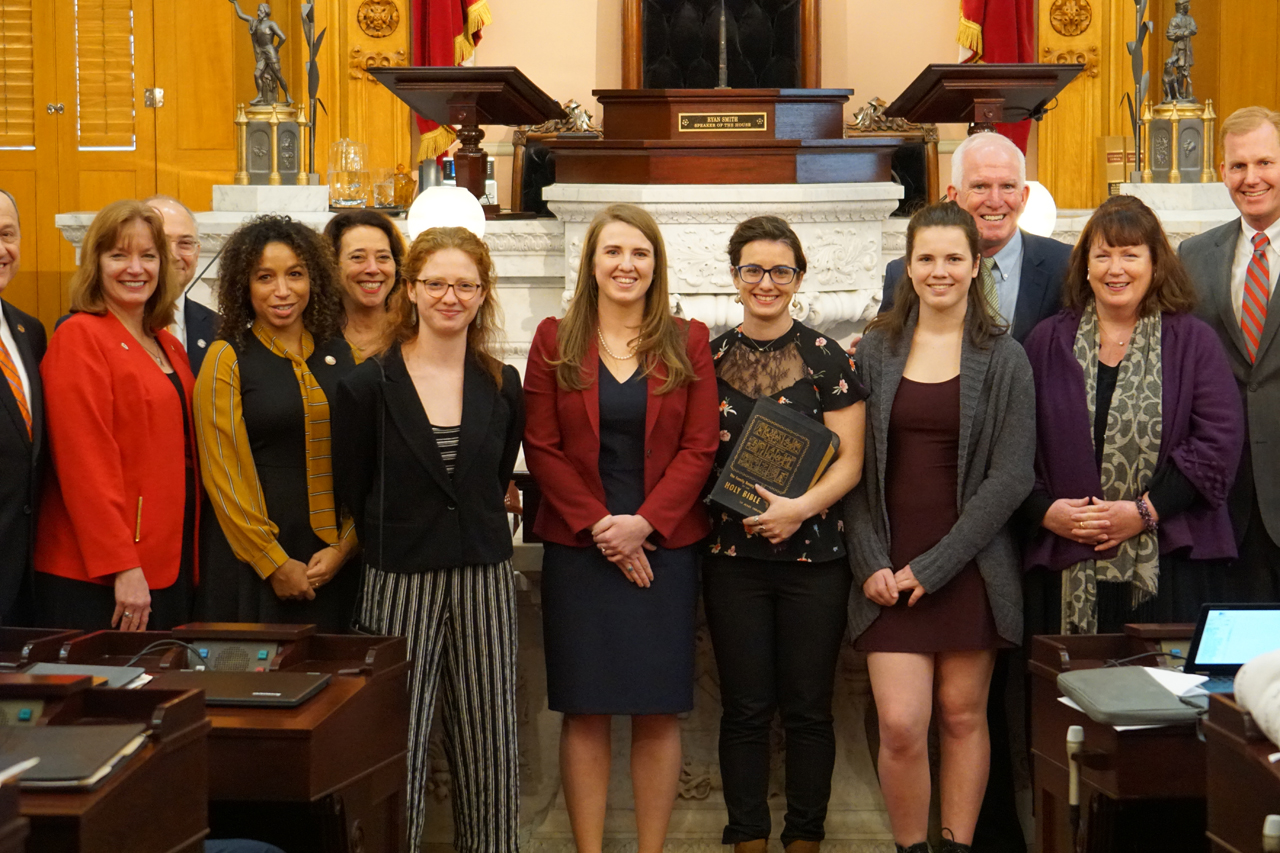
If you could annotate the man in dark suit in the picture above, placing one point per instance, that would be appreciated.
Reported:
(195, 325)
(989, 180)
(22, 344)
(1234, 268)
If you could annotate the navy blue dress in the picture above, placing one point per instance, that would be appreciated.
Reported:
(613, 647)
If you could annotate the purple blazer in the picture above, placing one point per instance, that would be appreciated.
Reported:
(1203, 431)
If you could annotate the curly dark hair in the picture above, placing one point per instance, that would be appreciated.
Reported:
(240, 256)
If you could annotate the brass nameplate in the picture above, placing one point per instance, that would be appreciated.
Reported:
(723, 121)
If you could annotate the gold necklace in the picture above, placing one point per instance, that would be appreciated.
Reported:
(612, 354)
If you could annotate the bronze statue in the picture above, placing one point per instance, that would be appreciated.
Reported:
(267, 39)
(1177, 68)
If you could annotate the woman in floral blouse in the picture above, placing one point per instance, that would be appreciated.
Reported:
(776, 626)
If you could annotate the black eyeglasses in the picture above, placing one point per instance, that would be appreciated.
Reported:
(437, 289)
(754, 273)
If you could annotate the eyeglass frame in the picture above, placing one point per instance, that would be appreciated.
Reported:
(769, 272)
(462, 297)
(176, 245)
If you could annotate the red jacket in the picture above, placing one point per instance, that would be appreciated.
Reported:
(562, 446)
(115, 493)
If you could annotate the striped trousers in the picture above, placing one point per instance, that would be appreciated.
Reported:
(460, 624)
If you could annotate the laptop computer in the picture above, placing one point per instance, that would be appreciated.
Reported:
(1227, 637)
(248, 689)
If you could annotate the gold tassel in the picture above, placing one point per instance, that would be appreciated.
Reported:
(478, 17)
(436, 142)
(970, 38)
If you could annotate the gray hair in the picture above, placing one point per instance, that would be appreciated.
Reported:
(981, 141)
(14, 202)
(155, 198)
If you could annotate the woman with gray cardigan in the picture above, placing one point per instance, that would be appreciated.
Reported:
(949, 457)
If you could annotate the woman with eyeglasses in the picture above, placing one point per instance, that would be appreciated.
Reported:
(776, 585)
(426, 437)
(620, 437)
(279, 549)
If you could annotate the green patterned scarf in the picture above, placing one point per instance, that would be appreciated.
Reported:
(1131, 447)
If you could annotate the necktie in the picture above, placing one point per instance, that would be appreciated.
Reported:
(10, 371)
(989, 287)
(1257, 293)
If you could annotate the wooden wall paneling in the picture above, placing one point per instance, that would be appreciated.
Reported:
(1066, 136)
(29, 158)
(195, 132)
(1248, 70)
(632, 44)
(370, 112)
(111, 153)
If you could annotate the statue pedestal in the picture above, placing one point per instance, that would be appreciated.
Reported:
(236, 198)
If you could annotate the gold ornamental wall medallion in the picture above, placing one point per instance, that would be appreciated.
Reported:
(378, 18)
(1070, 17)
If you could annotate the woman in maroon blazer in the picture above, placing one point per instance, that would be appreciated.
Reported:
(621, 429)
(116, 538)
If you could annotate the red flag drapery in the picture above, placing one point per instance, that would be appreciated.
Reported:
(1000, 31)
(445, 33)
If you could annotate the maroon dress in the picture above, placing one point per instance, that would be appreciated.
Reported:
(920, 493)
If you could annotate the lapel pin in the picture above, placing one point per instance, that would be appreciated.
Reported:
(22, 328)
(123, 345)
(200, 343)
(328, 359)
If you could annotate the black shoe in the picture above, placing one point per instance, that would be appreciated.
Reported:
(918, 847)
(950, 845)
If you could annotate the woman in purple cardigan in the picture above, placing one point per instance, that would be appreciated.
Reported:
(1139, 430)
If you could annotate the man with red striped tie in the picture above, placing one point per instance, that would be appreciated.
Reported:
(22, 343)
(1234, 267)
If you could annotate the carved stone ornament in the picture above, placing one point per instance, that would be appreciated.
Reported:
(1071, 56)
(1070, 17)
(362, 60)
(578, 120)
(378, 18)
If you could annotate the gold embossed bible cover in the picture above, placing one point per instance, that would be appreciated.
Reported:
(780, 449)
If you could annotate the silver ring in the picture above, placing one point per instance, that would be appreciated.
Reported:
(126, 613)
(755, 520)
(630, 570)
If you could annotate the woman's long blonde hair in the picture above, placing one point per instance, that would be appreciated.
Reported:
(485, 332)
(662, 338)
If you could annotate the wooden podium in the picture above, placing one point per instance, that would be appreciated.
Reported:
(982, 95)
(1157, 774)
(328, 775)
(154, 803)
(470, 97)
(723, 136)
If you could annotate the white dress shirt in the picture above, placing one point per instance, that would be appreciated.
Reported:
(178, 328)
(6, 334)
(1240, 265)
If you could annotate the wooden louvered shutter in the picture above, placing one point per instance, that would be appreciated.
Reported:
(17, 67)
(105, 74)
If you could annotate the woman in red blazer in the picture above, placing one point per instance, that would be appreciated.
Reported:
(621, 429)
(116, 537)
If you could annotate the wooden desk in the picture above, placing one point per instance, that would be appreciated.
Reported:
(1244, 787)
(1154, 776)
(21, 647)
(14, 828)
(155, 803)
(328, 776)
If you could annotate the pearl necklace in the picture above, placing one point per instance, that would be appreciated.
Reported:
(611, 353)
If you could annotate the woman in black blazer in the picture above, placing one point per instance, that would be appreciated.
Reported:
(425, 438)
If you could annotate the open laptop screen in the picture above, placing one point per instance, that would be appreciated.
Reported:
(1230, 635)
